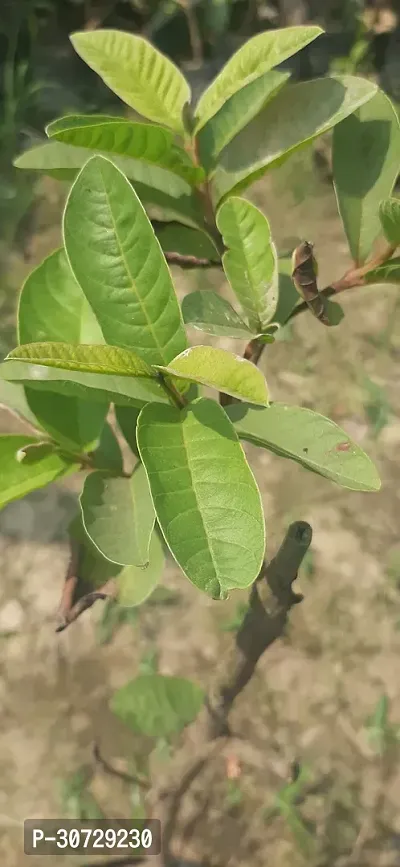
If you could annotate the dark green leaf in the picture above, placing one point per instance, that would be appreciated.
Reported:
(387, 273)
(207, 311)
(186, 241)
(69, 421)
(205, 496)
(157, 705)
(108, 455)
(127, 417)
(389, 215)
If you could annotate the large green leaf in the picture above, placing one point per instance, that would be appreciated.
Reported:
(157, 705)
(387, 273)
(53, 307)
(366, 148)
(135, 584)
(84, 357)
(257, 56)
(119, 264)
(118, 516)
(70, 422)
(235, 113)
(186, 241)
(389, 215)
(204, 493)
(207, 311)
(141, 141)
(123, 390)
(164, 194)
(310, 439)
(298, 114)
(250, 263)
(139, 74)
(19, 478)
(222, 370)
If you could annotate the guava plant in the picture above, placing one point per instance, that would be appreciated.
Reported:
(100, 325)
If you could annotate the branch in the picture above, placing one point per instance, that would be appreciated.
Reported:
(132, 779)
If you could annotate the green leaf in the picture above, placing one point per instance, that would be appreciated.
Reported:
(94, 569)
(164, 194)
(222, 370)
(108, 455)
(70, 422)
(119, 264)
(207, 311)
(298, 114)
(141, 141)
(118, 516)
(387, 273)
(389, 215)
(86, 358)
(288, 296)
(157, 705)
(204, 493)
(235, 113)
(123, 390)
(12, 396)
(186, 241)
(139, 74)
(310, 439)
(19, 478)
(127, 417)
(135, 584)
(250, 262)
(257, 56)
(366, 150)
(52, 306)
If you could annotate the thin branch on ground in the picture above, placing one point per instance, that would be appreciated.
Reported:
(108, 768)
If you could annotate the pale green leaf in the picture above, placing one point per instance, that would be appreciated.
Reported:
(140, 141)
(207, 311)
(135, 584)
(366, 148)
(84, 357)
(118, 262)
(222, 370)
(70, 422)
(139, 74)
(19, 478)
(118, 516)
(164, 194)
(257, 56)
(157, 705)
(389, 215)
(387, 273)
(310, 439)
(298, 114)
(235, 113)
(250, 263)
(96, 387)
(186, 241)
(204, 493)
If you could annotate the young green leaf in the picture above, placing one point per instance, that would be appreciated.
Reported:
(118, 262)
(139, 74)
(387, 273)
(135, 584)
(366, 150)
(186, 241)
(118, 516)
(250, 263)
(157, 705)
(110, 360)
(19, 478)
(164, 194)
(257, 56)
(140, 141)
(70, 422)
(207, 311)
(235, 113)
(389, 215)
(222, 370)
(125, 390)
(204, 493)
(310, 439)
(298, 114)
